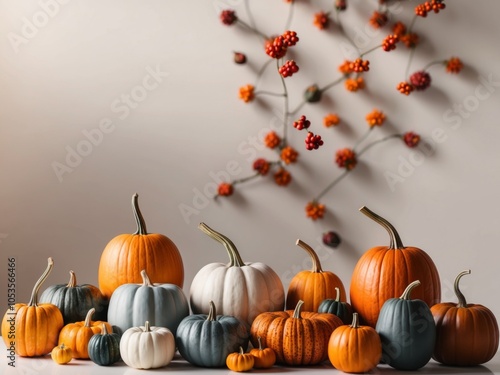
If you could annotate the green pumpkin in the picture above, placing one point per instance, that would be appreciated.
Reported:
(206, 340)
(407, 331)
(162, 305)
(336, 307)
(75, 301)
(104, 348)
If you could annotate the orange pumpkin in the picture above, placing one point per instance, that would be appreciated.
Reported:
(263, 357)
(354, 348)
(384, 272)
(240, 361)
(297, 338)
(126, 255)
(466, 333)
(313, 286)
(32, 329)
(77, 335)
(61, 354)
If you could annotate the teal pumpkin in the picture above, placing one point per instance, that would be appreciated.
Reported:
(206, 340)
(162, 305)
(104, 347)
(407, 331)
(75, 301)
(336, 307)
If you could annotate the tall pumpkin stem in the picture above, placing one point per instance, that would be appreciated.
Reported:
(145, 279)
(259, 340)
(316, 264)
(355, 320)
(234, 255)
(298, 308)
(337, 294)
(212, 313)
(88, 317)
(396, 242)
(34, 294)
(461, 298)
(104, 329)
(147, 328)
(139, 219)
(72, 280)
(406, 294)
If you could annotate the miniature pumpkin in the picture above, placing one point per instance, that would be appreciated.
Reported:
(239, 289)
(263, 357)
(33, 328)
(335, 306)
(61, 354)
(75, 300)
(240, 361)
(466, 333)
(162, 305)
(126, 255)
(104, 347)
(147, 347)
(77, 335)
(407, 331)
(312, 286)
(207, 340)
(297, 338)
(384, 272)
(354, 348)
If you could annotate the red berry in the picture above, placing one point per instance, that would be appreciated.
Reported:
(313, 142)
(420, 80)
(228, 17)
(240, 58)
(331, 239)
(302, 123)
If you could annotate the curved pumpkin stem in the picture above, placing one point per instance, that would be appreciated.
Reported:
(88, 318)
(396, 242)
(104, 329)
(139, 219)
(355, 321)
(298, 308)
(147, 328)
(241, 350)
(337, 295)
(212, 313)
(34, 294)
(259, 340)
(145, 279)
(234, 256)
(316, 265)
(461, 298)
(72, 280)
(408, 290)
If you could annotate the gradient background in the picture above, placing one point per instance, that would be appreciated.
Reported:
(69, 75)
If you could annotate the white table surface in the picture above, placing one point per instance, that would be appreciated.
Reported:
(45, 365)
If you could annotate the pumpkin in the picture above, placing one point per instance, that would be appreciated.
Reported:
(466, 333)
(407, 331)
(104, 347)
(312, 286)
(384, 272)
(263, 357)
(126, 255)
(335, 306)
(207, 340)
(297, 338)
(147, 347)
(61, 354)
(75, 300)
(33, 328)
(354, 348)
(240, 361)
(77, 335)
(162, 305)
(239, 289)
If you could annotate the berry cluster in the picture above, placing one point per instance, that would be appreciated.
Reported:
(277, 47)
(378, 19)
(346, 158)
(389, 42)
(228, 17)
(302, 123)
(261, 166)
(420, 80)
(313, 141)
(359, 65)
(315, 210)
(429, 6)
(288, 69)
(375, 118)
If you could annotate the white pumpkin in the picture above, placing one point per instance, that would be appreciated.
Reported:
(239, 289)
(147, 347)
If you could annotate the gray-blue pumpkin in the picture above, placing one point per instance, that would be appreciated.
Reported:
(206, 340)
(104, 347)
(336, 307)
(162, 305)
(407, 331)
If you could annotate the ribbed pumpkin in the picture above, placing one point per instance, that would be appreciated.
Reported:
(162, 305)
(263, 357)
(74, 300)
(354, 348)
(335, 306)
(297, 338)
(126, 255)
(312, 286)
(33, 328)
(407, 331)
(466, 333)
(239, 289)
(240, 361)
(77, 335)
(384, 272)
(61, 354)
(104, 347)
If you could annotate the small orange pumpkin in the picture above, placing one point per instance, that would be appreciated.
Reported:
(354, 348)
(263, 357)
(240, 361)
(61, 354)
(313, 286)
(77, 335)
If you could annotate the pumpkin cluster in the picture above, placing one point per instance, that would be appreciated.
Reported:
(140, 315)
